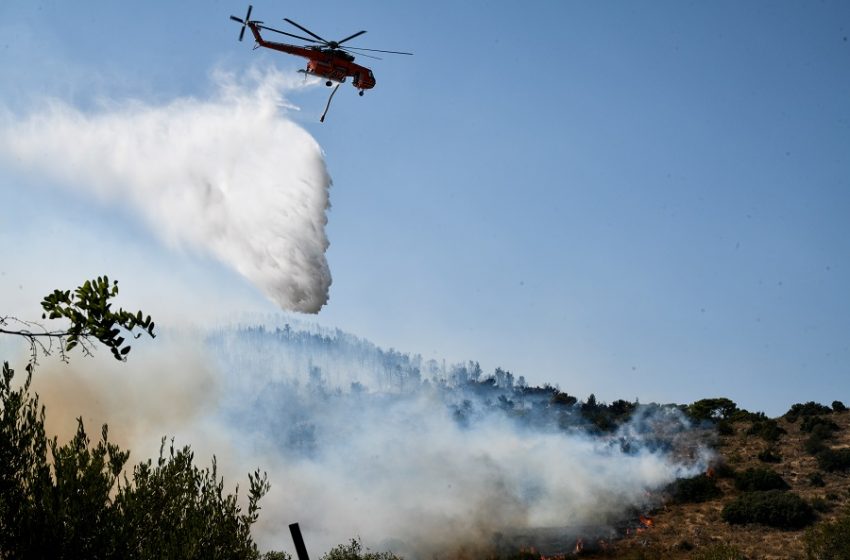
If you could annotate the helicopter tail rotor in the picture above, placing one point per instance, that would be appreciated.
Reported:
(244, 22)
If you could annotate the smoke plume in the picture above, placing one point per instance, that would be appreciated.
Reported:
(409, 454)
(427, 459)
(230, 176)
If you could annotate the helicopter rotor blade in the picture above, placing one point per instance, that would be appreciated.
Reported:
(378, 50)
(345, 49)
(287, 34)
(244, 22)
(341, 41)
(305, 30)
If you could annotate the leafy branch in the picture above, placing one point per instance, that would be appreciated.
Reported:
(89, 310)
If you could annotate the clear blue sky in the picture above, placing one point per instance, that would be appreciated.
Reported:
(634, 199)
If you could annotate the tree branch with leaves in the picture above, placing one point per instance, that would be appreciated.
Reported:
(89, 311)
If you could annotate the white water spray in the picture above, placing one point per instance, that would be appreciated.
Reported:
(230, 176)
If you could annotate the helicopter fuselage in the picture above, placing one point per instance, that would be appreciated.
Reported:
(331, 64)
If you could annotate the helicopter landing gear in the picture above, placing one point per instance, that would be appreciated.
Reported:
(329, 83)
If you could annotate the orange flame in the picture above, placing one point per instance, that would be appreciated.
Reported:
(579, 546)
(646, 521)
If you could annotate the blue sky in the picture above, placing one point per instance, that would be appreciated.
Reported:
(637, 200)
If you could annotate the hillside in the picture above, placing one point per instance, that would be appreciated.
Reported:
(326, 389)
(685, 530)
(449, 462)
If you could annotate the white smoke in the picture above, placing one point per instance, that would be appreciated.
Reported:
(379, 444)
(350, 454)
(230, 176)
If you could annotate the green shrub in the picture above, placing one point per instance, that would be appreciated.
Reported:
(822, 425)
(712, 409)
(66, 501)
(741, 415)
(694, 490)
(684, 545)
(814, 444)
(768, 430)
(832, 460)
(723, 470)
(725, 428)
(816, 480)
(784, 510)
(769, 456)
(563, 399)
(838, 406)
(829, 541)
(753, 480)
(354, 551)
(821, 504)
(621, 410)
(718, 552)
(811, 408)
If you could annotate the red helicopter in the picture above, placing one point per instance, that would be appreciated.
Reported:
(326, 59)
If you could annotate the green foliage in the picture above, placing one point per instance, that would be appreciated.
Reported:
(814, 444)
(769, 455)
(725, 428)
(606, 418)
(276, 555)
(52, 508)
(838, 406)
(563, 399)
(694, 490)
(830, 540)
(821, 504)
(757, 479)
(718, 552)
(784, 510)
(79, 493)
(354, 551)
(600, 421)
(684, 545)
(71, 504)
(767, 429)
(22, 471)
(741, 415)
(90, 312)
(722, 469)
(90, 317)
(832, 460)
(810, 408)
(816, 480)
(823, 426)
(712, 409)
(193, 515)
(621, 409)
